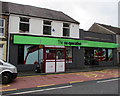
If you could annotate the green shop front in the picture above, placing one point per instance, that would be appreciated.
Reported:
(55, 54)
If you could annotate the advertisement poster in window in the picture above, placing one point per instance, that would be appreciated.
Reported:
(31, 54)
(110, 55)
(100, 54)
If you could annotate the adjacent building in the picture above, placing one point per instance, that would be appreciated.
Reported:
(49, 38)
(101, 56)
(107, 29)
(3, 34)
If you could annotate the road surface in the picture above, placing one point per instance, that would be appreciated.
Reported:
(107, 86)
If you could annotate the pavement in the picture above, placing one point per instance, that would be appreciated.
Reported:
(84, 69)
(38, 80)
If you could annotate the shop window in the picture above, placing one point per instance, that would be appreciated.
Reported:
(66, 29)
(46, 27)
(100, 54)
(24, 24)
(2, 27)
(31, 54)
(68, 54)
(110, 55)
(20, 54)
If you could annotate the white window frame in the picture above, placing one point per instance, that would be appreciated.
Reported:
(66, 28)
(24, 23)
(47, 26)
(3, 27)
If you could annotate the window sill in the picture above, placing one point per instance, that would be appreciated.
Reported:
(23, 31)
(67, 36)
(47, 35)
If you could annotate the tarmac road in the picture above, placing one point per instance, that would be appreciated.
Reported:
(108, 87)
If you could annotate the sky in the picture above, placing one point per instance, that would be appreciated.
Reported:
(87, 12)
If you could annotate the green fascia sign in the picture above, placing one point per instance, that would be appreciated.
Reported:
(32, 40)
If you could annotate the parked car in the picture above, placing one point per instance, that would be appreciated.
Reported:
(8, 72)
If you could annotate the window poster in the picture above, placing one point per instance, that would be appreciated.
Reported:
(100, 54)
(31, 54)
(110, 55)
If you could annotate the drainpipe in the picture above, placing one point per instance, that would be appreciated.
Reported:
(8, 49)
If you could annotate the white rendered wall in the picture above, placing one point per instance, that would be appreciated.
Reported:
(74, 30)
(58, 29)
(14, 24)
(36, 27)
(57, 26)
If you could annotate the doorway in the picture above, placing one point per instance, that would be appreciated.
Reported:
(89, 56)
(54, 59)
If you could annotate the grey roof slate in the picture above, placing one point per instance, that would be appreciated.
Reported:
(19, 9)
(116, 30)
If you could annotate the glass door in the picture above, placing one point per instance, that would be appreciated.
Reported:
(54, 59)
(60, 60)
(49, 60)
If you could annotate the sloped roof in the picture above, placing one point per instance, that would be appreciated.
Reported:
(116, 30)
(19, 9)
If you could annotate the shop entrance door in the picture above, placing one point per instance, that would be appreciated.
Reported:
(54, 59)
(89, 53)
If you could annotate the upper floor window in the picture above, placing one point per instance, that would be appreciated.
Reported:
(66, 29)
(24, 24)
(46, 27)
(2, 27)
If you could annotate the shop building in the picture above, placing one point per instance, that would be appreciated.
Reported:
(54, 53)
(101, 56)
(48, 38)
(108, 29)
(3, 34)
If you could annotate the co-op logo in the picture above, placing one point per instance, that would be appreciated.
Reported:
(68, 43)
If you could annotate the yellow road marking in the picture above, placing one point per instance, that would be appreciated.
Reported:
(76, 81)
(90, 75)
(46, 85)
(8, 90)
(2, 86)
(28, 76)
(98, 78)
